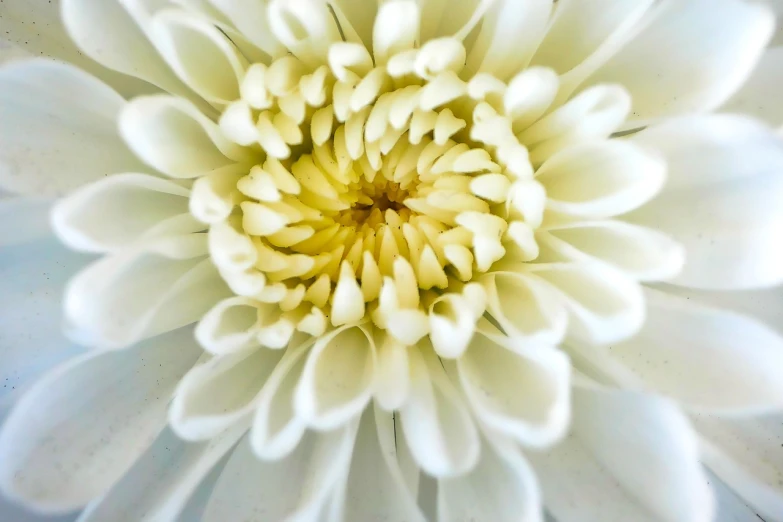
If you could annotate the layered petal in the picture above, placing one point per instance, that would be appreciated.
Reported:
(706, 358)
(690, 56)
(81, 427)
(721, 200)
(628, 457)
(57, 128)
(759, 96)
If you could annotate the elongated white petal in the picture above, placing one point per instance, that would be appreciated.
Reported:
(162, 481)
(151, 288)
(629, 457)
(24, 219)
(746, 453)
(120, 210)
(502, 488)
(231, 325)
(70, 437)
(758, 97)
(173, 136)
(294, 488)
(392, 381)
(442, 437)
(721, 199)
(691, 57)
(217, 394)
(706, 358)
(57, 128)
(252, 20)
(337, 380)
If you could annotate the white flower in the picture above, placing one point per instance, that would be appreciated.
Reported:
(448, 261)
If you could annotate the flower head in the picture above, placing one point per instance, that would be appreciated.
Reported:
(419, 240)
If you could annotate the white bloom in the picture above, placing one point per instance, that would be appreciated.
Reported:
(456, 261)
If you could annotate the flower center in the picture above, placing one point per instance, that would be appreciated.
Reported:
(378, 192)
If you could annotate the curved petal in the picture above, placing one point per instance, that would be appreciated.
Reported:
(706, 358)
(84, 424)
(721, 200)
(217, 394)
(642, 253)
(690, 57)
(337, 380)
(173, 136)
(438, 427)
(580, 27)
(629, 457)
(36, 27)
(747, 453)
(32, 279)
(604, 305)
(759, 97)
(126, 48)
(599, 180)
(160, 484)
(201, 55)
(57, 128)
(392, 381)
(251, 19)
(375, 488)
(501, 488)
(520, 391)
(117, 211)
(151, 288)
(230, 326)
(294, 488)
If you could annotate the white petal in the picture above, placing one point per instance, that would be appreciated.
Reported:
(231, 325)
(520, 391)
(629, 457)
(36, 27)
(201, 55)
(642, 253)
(509, 34)
(396, 29)
(276, 429)
(126, 48)
(220, 392)
(721, 200)
(294, 488)
(604, 304)
(526, 308)
(730, 507)
(758, 97)
(251, 19)
(747, 453)
(501, 488)
(151, 288)
(24, 219)
(580, 27)
(171, 135)
(337, 379)
(438, 428)
(305, 28)
(601, 180)
(32, 278)
(691, 57)
(83, 425)
(392, 381)
(376, 489)
(57, 128)
(706, 358)
(161, 482)
(119, 210)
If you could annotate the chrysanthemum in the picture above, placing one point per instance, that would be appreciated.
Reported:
(396, 261)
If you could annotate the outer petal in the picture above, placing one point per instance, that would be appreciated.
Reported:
(36, 26)
(629, 457)
(82, 426)
(294, 488)
(706, 358)
(691, 57)
(24, 219)
(721, 200)
(161, 482)
(760, 95)
(57, 128)
(501, 488)
(747, 453)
